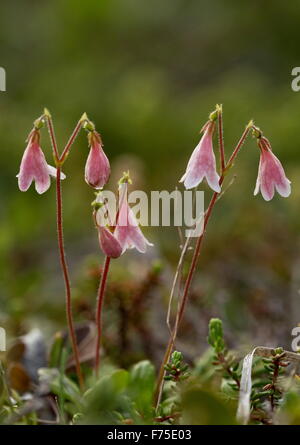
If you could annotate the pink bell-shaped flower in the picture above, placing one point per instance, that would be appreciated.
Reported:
(271, 174)
(97, 168)
(127, 231)
(202, 163)
(34, 166)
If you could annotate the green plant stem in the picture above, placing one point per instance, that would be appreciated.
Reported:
(192, 268)
(100, 301)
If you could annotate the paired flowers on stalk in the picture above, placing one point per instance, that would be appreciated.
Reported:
(125, 233)
(34, 166)
(202, 164)
(114, 241)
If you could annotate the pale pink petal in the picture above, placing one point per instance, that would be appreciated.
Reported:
(41, 173)
(42, 183)
(193, 178)
(128, 232)
(257, 185)
(267, 188)
(282, 183)
(136, 236)
(284, 188)
(121, 234)
(213, 179)
(137, 239)
(25, 176)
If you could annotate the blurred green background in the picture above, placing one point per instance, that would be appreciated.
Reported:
(148, 74)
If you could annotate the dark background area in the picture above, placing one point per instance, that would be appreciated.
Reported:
(148, 74)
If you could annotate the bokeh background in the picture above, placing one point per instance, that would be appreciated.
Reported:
(148, 74)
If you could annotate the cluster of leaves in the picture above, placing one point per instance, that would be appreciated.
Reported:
(223, 360)
(267, 393)
(176, 370)
(204, 393)
(272, 386)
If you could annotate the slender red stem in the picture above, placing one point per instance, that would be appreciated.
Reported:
(100, 301)
(239, 145)
(52, 138)
(192, 268)
(59, 221)
(70, 141)
(64, 266)
(101, 293)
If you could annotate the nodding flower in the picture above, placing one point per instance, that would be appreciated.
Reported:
(271, 174)
(34, 166)
(97, 168)
(127, 231)
(109, 245)
(202, 163)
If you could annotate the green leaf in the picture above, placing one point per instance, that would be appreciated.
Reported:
(141, 387)
(56, 351)
(106, 398)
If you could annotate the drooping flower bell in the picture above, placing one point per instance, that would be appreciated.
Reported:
(109, 245)
(202, 163)
(34, 166)
(127, 231)
(97, 168)
(271, 174)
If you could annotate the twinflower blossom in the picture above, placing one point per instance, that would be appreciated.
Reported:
(34, 166)
(202, 163)
(271, 174)
(127, 231)
(97, 168)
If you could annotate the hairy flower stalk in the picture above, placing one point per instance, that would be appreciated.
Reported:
(35, 168)
(194, 262)
(99, 309)
(60, 235)
(111, 247)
